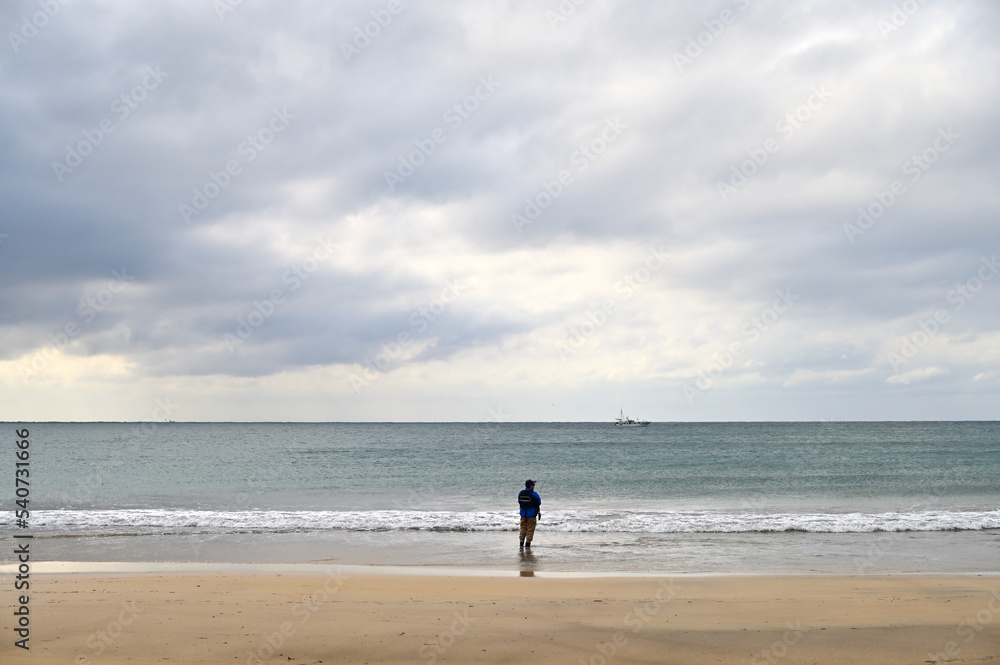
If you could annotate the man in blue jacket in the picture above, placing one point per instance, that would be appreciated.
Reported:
(531, 509)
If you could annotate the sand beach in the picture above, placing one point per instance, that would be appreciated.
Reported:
(404, 619)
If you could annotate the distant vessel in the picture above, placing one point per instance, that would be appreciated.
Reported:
(622, 421)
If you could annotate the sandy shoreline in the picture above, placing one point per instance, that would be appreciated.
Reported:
(347, 618)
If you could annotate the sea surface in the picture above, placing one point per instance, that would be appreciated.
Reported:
(673, 497)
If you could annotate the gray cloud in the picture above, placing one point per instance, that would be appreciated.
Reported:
(496, 103)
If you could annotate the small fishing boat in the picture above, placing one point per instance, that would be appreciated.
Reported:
(622, 421)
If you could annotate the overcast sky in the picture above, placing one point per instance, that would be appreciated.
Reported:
(516, 210)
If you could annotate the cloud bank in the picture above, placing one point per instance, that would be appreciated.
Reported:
(551, 210)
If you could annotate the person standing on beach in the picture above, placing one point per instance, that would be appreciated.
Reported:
(531, 509)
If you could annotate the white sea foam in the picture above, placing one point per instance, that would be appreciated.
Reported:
(149, 521)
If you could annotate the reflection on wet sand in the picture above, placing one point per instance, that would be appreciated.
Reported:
(528, 563)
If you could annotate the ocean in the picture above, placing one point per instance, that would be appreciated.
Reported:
(670, 498)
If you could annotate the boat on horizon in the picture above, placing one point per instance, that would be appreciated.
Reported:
(622, 421)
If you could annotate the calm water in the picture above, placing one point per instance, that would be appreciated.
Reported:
(692, 496)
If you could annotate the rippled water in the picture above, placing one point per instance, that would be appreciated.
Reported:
(221, 481)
